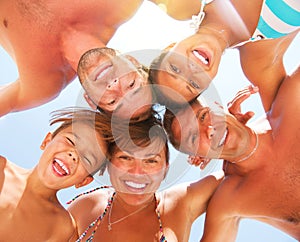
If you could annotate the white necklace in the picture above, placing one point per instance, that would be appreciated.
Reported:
(252, 152)
(121, 219)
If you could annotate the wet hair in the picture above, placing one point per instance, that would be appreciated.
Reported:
(139, 134)
(100, 122)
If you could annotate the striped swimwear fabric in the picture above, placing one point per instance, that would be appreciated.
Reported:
(278, 18)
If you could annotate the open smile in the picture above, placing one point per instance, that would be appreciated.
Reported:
(101, 71)
(203, 57)
(60, 168)
(135, 186)
(223, 138)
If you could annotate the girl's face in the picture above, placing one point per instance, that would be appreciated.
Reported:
(136, 174)
(70, 156)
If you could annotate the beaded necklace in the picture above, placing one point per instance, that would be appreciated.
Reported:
(98, 220)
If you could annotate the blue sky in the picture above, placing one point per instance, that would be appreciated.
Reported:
(21, 133)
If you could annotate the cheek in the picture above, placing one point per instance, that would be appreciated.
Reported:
(157, 177)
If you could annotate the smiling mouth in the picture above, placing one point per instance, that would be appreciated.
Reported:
(135, 185)
(102, 71)
(60, 168)
(223, 138)
(202, 57)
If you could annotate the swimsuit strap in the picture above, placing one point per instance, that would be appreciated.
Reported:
(162, 237)
(197, 19)
(97, 221)
(87, 192)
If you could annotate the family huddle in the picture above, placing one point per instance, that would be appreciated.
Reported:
(135, 112)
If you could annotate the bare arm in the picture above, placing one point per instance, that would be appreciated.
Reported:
(221, 221)
(199, 193)
(178, 9)
(18, 96)
(262, 63)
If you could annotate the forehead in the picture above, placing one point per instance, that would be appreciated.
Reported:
(157, 146)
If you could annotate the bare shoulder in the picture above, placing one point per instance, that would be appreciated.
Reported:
(89, 200)
(3, 162)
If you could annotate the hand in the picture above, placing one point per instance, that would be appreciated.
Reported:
(234, 107)
(198, 161)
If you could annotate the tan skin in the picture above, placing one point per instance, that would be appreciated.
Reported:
(264, 186)
(46, 40)
(179, 205)
(29, 208)
(225, 24)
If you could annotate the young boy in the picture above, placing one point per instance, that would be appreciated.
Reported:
(29, 208)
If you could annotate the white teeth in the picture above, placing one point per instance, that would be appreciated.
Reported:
(102, 73)
(135, 185)
(223, 138)
(200, 57)
(62, 165)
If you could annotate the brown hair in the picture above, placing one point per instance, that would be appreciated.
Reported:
(140, 134)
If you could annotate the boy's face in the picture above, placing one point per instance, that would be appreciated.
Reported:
(71, 155)
(114, 83)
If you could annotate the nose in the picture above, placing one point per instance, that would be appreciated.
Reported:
(114, 84)
(136, 167)
(210, 131)
(73, 156)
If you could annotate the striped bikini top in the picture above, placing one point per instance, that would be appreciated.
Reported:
(278, 18)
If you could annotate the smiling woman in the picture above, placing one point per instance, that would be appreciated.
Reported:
(138, 164)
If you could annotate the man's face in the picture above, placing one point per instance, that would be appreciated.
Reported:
(207, 133)
(114, 83)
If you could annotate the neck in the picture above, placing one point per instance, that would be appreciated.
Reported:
(38, 189)
(130, 202)
(250, 153)
(76, 43)
(229, 21)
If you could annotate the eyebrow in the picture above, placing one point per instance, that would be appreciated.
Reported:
(146, 155)
(189, 88)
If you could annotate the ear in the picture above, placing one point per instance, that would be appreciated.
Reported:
(46, 140)
(85, 181)
(89, 101)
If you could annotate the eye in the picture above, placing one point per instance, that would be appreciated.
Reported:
(124, 157)
(70, 141)
(175, 68)
(112, 102)
(194, 84)
(151, 161)
(194, 137)
(203, 116)
(131, 84)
